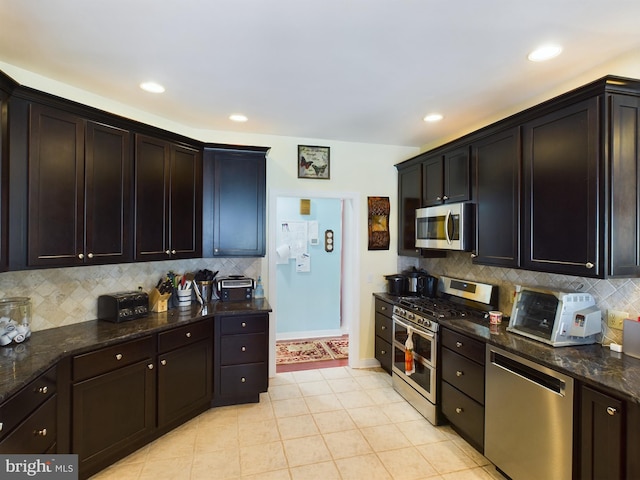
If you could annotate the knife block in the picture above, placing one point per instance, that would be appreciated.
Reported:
(158, 301)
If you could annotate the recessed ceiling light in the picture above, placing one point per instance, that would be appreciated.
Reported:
(545, 52)
(433, 117)
(238, 117)
(152, 87)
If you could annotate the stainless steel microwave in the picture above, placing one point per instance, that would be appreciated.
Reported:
(445, 227)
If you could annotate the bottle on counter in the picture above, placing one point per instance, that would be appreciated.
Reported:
(259, 291)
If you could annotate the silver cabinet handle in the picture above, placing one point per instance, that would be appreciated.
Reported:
(438, 198)
(81, 256)
(474, 255)
(244, 324)
(611, 411)
(459, 410)
(90, 255)
(167, 252)
(150, 366)
(1, 426)
(118, 356)
(244, 349)
(243, 380)
(173, 252)
(44, 390)
(459, 344)
(383, 352)
(589, 265)
(444, 197)
(383, 308)
(459, 373)
(188, 334)
(41, 433)
(383, 327)
(163, 362)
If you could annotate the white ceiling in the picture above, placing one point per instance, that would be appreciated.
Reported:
(351, 70)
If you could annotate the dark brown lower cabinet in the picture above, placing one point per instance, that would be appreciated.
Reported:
(113, 403)
(609, 436)
(241, 368)
(184, 373)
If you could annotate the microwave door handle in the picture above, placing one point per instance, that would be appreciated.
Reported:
(447, 222)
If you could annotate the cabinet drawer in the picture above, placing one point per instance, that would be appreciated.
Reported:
(238, 380)
(238, 349)
(463, 412)
(383, 353)
(384, 327)
(464, 374)
(20, 405)
(36, 434)
(107, 359)
(244, 324)
(186, 335)
(384, 308)
(466, 346)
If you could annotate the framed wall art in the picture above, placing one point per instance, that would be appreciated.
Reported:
(313, 162)
(379, 209)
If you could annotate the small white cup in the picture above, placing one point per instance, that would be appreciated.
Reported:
(184, 297)
(495, 317)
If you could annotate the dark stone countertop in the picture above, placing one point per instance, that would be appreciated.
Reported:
(22, 363)
(593, 365)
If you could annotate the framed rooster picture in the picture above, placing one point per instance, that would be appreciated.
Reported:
(313, 162)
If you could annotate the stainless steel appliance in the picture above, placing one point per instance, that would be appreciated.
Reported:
(235, 288)
(445, 227)
(555, 318)
(418, 316)
(528, 418)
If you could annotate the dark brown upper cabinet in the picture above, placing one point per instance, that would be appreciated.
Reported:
(168, 200)
(409, 192)
(79, 175)
(496, 194)
(446, 177)
(234, 202)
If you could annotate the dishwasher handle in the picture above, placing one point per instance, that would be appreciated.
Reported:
(542, 379)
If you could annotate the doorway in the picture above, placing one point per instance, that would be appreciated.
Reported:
(288, 282)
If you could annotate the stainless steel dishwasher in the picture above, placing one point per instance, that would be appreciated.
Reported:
(528, 418)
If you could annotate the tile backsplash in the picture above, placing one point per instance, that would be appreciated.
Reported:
(63, 296)
(621, 294)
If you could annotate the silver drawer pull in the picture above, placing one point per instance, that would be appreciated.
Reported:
(383, 308)
(163, 362)
(44, 390)
(459, 344)
(459, 373)
(383, 327)
(383, 352)
(150, 366)
(611, 411)
(459, 410)
(244, 324)
(244, 349)
(188, 334)
(90, 255)
(81, 256)
(589, 265)
(243, 380)
(118, 356)
(1, 425)
(41, 433)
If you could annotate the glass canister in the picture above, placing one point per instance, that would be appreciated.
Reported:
(15, 320)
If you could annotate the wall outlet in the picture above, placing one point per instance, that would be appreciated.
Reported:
(615, 319)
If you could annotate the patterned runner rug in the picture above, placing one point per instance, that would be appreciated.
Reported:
(299, 351)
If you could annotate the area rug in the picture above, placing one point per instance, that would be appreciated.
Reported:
(316, 350)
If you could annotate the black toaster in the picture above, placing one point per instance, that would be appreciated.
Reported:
(123, 306)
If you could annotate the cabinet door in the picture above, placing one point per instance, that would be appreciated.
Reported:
(432, 181)
(562, 229)
(184, 382)
(4, 178)
(409, 192)
(107, 186)
(625, 191)
(152, 176)
(56, 196)
(456, 175)
(186, 202)
(234, 203)
(111, 412)
(602, 443)
(496, 161)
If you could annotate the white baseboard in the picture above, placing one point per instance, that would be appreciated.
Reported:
(364, 363)
(310, 334)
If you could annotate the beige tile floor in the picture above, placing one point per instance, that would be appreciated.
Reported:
(334, 423)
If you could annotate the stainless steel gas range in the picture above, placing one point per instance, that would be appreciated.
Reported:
(418, 317)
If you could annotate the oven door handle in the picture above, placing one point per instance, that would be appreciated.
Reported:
(421, 332)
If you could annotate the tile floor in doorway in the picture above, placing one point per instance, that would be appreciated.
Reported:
(334, 423)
